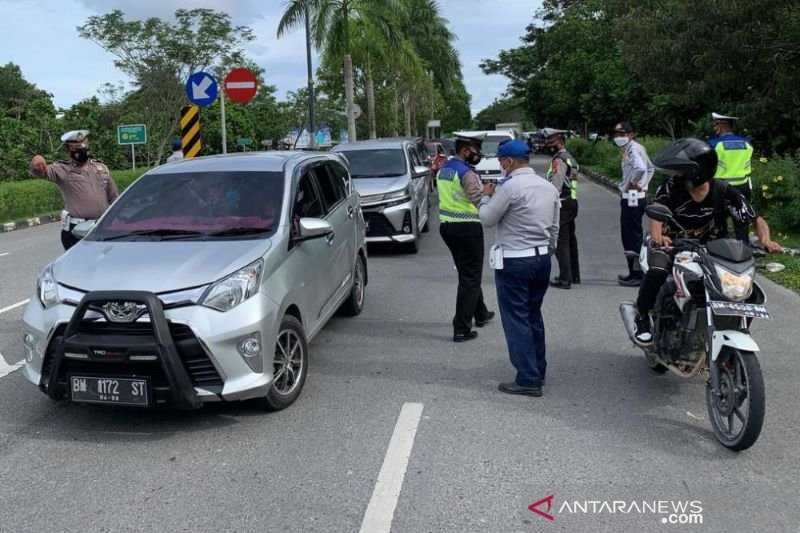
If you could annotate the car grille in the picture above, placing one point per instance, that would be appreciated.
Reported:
(378, 225)
(200, 368)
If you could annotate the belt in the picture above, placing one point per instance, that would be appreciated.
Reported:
(530, 252)
(68, 220)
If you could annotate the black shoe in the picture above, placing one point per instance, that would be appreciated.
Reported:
(644, 333)
(560, 284)
(576, 281)
(630, 281)
(488, 318)
(464, 337)
(512, 388)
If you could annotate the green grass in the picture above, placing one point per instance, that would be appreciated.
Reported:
(790, 276)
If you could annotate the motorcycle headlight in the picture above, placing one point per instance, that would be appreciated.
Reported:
(737, 287)
(47, 288)
(229, 292)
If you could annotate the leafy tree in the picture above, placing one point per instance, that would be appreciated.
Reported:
(504, 110)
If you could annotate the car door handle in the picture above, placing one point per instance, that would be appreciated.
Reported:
(330, 238)
(350, 211)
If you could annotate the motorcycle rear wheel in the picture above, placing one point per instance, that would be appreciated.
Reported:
(741, 399)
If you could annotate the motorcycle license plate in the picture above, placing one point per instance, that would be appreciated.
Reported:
(739, 309)
(109, 390)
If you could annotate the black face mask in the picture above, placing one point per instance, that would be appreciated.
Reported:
(473, 158)
(80, 156)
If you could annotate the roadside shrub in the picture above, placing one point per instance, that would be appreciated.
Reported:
(776, 191)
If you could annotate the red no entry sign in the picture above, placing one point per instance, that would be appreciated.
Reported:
(240, 85)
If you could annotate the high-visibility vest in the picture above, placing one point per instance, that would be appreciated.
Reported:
(735, 155)
(570, 187)
(454, 206)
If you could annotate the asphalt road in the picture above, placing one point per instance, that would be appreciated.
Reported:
(607, 428)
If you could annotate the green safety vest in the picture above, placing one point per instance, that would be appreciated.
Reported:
(454, 206)
(570, 184)
(734, 161)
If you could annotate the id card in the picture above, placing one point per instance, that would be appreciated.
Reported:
(496, 257)
(633, 199)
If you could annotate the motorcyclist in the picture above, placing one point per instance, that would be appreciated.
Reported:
(701, 205)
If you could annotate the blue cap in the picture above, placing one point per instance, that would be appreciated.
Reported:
(514, 148)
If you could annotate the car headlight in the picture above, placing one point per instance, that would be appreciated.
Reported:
(47, 288)
(396, 198)
(229, 292)
(737, 287)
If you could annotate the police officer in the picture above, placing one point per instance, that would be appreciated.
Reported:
(177, 151)
(86, 184)
(735, 154)
(563, 174)
(459, 192)
(525, 209)
(637, 171)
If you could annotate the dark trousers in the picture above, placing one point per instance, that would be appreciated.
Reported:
(68, 240)
(742, 229)
(659, 264)
(465, 241)
(521, 286)
(630, 225)
(567, 248)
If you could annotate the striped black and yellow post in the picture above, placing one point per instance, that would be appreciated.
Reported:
(191, 141)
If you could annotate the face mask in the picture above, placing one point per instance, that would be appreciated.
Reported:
(80, 155)
(473, 158)
(621, 141)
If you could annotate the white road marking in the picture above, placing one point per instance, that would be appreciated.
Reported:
(14, 306)
(380, 511)
(3, 254)
(6, 369)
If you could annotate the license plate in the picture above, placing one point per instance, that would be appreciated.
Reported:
(109, 390)
(739, 309)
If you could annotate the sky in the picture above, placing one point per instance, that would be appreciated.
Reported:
(41, 37)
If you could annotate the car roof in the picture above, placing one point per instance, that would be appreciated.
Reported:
(487, 133)
(243, 161)
(374, 144)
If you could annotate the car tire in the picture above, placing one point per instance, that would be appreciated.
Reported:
(355, 302)
(291, 342)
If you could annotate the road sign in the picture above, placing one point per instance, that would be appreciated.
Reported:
(191, 142)
(240, 85)
(201, 89)
(244, 141)
(132, 134)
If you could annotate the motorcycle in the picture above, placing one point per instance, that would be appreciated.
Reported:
(701, 325)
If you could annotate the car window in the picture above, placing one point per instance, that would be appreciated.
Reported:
(330, 185)
(413, 156)
(378, 163)
(204, 204)
(341, 173)
(308, 202)
(491, 143)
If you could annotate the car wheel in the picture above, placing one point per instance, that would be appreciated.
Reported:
(290, 365)
(355, 302)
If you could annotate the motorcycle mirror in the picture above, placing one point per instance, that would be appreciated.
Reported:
(658, 212)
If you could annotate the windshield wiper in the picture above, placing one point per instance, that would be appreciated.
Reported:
(165, 234)
(237, 231)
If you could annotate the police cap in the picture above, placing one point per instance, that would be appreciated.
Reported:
(552, 132)
(516, 149)
(75, 136)
(716, 116)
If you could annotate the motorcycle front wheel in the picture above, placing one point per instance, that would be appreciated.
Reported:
(737, 413)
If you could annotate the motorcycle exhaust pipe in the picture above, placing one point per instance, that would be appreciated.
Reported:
(628, 312)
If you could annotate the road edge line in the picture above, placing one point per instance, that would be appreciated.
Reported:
(14, 306)
(380, 510)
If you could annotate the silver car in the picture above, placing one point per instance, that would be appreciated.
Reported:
(394, 182)
(205, 281)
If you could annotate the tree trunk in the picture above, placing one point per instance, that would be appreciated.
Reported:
(371, 104)
(414, 129)
(396, 112)
(407, 112)
(348, 96)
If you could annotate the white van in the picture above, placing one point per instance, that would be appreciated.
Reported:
(489, 167)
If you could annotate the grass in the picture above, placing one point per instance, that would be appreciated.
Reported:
(790, 276)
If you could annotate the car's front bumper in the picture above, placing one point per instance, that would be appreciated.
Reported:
(198, 343)
(390, 224)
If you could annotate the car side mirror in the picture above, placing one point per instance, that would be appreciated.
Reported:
(658, 212)
(82, 229)
(314, 228)
(419, 170)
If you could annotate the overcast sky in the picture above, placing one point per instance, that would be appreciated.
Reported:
(41, 37)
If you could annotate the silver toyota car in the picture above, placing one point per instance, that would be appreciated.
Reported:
(394, 182)
(205, 281)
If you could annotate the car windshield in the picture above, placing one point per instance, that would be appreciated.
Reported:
(195, 206)
(376, 163)
(491, 143)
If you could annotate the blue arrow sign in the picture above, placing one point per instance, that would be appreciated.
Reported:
(202, 89)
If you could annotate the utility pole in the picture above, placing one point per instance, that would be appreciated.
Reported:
(311, 129)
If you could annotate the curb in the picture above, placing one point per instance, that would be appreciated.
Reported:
(602, 180)
(23, 223)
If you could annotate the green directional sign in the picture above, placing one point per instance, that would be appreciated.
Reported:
(132, 134)
(244, 141)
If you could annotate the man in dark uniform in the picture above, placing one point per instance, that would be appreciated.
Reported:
(460, 190)
(563, 174)
(86, 184)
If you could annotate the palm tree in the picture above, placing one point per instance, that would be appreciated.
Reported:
(331, 28)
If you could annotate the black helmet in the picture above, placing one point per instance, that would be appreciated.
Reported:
(689, 160)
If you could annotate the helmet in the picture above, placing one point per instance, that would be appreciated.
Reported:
(689, 160)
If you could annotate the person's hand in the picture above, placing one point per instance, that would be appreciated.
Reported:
(773, 247)
(662, 241)
(39, 164)
(489, 188)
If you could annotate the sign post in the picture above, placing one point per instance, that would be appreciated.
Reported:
(132, 134)
(191, 143)
(201, 90)
(240, 85)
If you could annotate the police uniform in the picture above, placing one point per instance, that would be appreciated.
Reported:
(637, 171)
(460, 228)
(87, 188)
(563, 174)
(735, 154)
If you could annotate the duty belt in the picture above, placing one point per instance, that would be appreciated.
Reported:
(530, 252)
(68, 221)
(738, 181)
